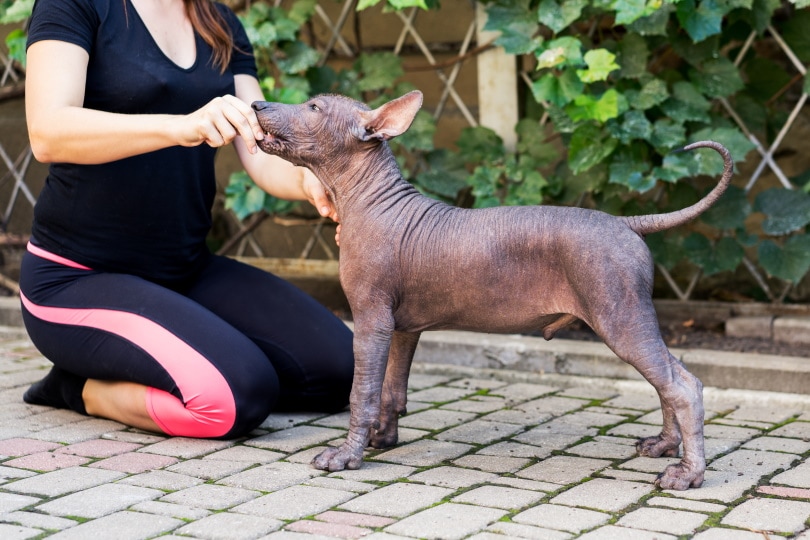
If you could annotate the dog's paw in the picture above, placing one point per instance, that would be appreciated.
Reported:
(657, 447)
(383, 438)
(338, 459)
(679, 477)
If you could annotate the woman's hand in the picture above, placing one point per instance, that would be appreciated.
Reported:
(219, 122)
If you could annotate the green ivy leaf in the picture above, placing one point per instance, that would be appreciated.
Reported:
(629, 168)
(732, 138)
(700, 21)
(723, 256)
(18, 11)
(654, 92)
(667, 134)
(686, 104)
(365, 4)
(16, 41)
(517, 23)
(676, 166)
(297, 57)
(634, 125)
(528, 189)
(480, 144)
(589, 146)
(532, 142)
(794, 32)
(718, 77)
(405, 4)
(790, 262)
(667, 249)
(628, 11)
(600, 63)
(485, 183)
(633, 56)
(601, 109)
(420, 135)
(557, 16)
(302, 10)
(378, 70)
(787, 210)
(730, 211)
(654, 24)
(446, 174)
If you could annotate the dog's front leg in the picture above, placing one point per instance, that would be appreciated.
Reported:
(395, 388)
(372, 340)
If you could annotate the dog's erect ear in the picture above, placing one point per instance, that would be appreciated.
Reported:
(389, 120)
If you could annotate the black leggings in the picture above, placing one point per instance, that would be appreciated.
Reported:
(237, 344)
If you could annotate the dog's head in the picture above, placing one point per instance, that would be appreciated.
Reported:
(329, 130)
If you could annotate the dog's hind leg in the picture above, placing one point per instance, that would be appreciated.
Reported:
(395, 388)
(639, 343)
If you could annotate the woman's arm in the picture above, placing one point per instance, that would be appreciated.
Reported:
(62, 130)
(274, 175)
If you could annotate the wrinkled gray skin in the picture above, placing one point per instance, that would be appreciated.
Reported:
(409, 263)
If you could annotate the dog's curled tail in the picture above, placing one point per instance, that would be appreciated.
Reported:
(660, 222)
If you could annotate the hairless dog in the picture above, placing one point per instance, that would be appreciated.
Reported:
(409, 263)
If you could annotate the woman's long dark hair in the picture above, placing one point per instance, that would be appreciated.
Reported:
(209, 23)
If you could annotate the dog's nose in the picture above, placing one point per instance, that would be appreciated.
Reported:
(259, 105)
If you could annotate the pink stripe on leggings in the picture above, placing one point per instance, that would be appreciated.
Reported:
(209, 409)
(39, 252)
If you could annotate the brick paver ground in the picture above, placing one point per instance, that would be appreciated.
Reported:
(485, 455)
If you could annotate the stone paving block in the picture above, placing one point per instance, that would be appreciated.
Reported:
(271, 477)
(589, 393)
(761, 413)
(296, 438)
(230, 526)
(135, 437)
(185, 448)
(634, 429)
(604, 494)
(510, 449)
(337, 530)
(99, 501)
(753, 462)
(397, 500)
(479, 432)
(434, 419)
(22, 447)
(563, 518)
(47, 419)
(760, 426)
(10, 473)
(477, 405)
(10, 502)
(724, 486)
(287, 420)
(728, 534)
(135, 462)
(210, 496)
(36, 520)
(179, 511)
(563, 469)
(686, 504)
(62, 481)
(553, 405)
(246, 454)
(518, 417)
(781, 491)
(340, 484)
(795, 430)
(719, 431)
(16, 532)
(452, 477)
(499, 497)
(340, 420)
(447, 521)
(562, 426)
(798, 476)
(494, 464)
(208, 469)
(424, 453)
(46, 461)
(295, 502)
(79, 431)
(121, 526)
(376, 472)
(477, 384)
(750, 326)
(522, 483)
(440, 394)
(418, 381)
(98, 448)
(632, 476)
(165, 480)
(718, 447)
(406, 435)
(598, 449)
(352, 518)
(769, 515)
(543, 437)
(640, 402)
(520, 392)
(612, 532)
(675, 522)
(648, 464)
(778, 444)
(518, 530)
(792, 329)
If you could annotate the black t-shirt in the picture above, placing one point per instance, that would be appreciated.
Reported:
(147, 215)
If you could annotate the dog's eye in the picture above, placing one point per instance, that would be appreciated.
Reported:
(314, 108)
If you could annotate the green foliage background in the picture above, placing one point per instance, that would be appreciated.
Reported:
(624, 82)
